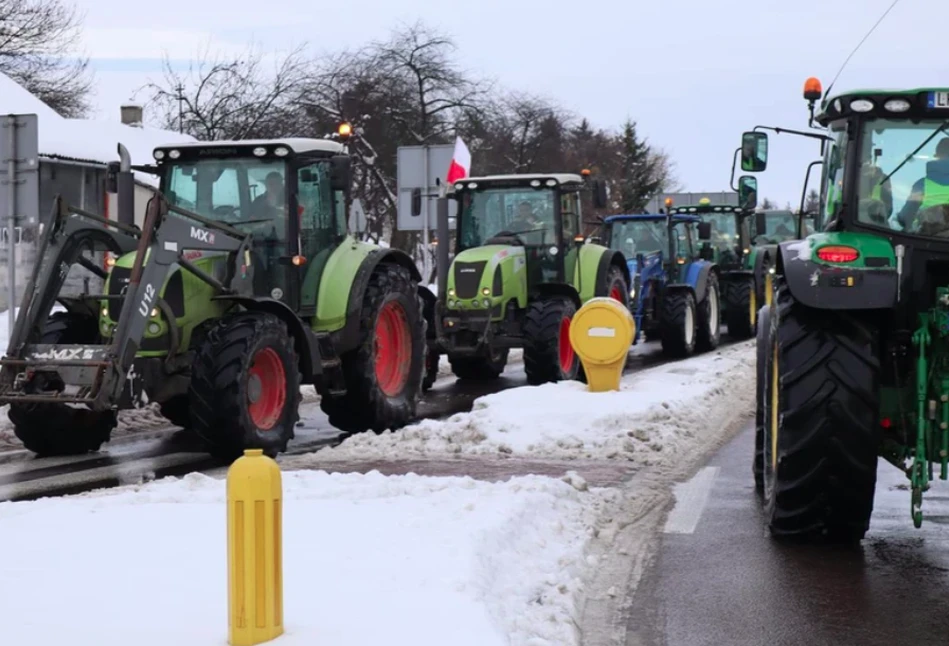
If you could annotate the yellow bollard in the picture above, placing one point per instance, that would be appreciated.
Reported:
(254, 550)
(601, 333)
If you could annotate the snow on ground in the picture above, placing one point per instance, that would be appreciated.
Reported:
(655, 411)
(368, 559)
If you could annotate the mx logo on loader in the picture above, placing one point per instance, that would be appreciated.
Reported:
(202, 234)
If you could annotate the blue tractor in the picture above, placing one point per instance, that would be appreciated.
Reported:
(674, 294)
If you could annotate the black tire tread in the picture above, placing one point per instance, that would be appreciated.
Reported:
(216, 392)
(364, 407)
(829, 433)
(706, 340)
(672, 323)
(541, 341)
(737, 306)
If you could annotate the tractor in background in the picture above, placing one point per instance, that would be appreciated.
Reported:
(675, 292)
(241, 285)
(853, 350)
(521, 270)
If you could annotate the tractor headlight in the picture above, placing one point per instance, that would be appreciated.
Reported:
(451, 292)
(175, 154)
(485, 291)
(487, 303)
(632, 293)
(154, 328)
(451, 303)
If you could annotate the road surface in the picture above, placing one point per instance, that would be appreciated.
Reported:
(718, 579)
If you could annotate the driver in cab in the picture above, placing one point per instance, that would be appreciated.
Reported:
(525, 224)
(270, 203)
(931, 190)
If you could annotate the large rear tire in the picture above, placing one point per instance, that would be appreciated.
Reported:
(741, 308)
(58, 429)
(245, 386)
(710, 316)
(821, 421)
(482, 368)
(548, 353)
(384, 373)
(615, 286)
(678, 322)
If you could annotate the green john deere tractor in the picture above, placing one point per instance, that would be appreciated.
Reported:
(241, 286)
(521, 271)
(853, 351)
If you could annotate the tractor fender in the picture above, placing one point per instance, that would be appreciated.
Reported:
(697, 277)
(547, 290)
(304, 339)
(834, 288)
(607, 260)
(347, 338)
(763, 259)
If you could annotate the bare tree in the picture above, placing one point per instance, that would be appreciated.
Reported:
(227, 98)
(38, 41)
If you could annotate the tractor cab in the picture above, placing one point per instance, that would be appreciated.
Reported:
(728, 231)
(288, 194)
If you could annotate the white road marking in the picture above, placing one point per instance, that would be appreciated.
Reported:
(691, 498)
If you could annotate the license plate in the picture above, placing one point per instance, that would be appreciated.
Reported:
(939, 100)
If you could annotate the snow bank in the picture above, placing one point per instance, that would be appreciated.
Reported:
(88, 140)
(655, 411)
(368, 559)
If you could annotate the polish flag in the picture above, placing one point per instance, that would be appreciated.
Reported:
(460, 162)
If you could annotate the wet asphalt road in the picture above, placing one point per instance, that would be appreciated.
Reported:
(728, 583)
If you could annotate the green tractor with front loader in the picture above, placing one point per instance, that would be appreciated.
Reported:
(853, 350)
(241, 285)
(521, 270)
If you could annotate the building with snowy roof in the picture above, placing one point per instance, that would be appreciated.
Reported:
(73, 162)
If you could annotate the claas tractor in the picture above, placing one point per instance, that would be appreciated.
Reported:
(853, 350)
(241, 285)
(675, 292)
(521, 270)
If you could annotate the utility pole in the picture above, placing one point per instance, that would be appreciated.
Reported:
(180, 96)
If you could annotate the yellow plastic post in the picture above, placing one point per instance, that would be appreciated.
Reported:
(254, 550)
(601, 333)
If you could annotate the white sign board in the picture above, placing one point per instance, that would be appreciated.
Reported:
(357, 217)
(419, 167)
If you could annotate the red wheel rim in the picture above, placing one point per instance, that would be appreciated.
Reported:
(393, 349)
(616, 293)
(267, 389)
(566, 348)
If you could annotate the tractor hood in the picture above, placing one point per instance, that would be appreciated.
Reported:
(484, 273)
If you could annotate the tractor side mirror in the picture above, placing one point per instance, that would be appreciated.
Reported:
(601, 196)
(761, 223)
(341, 173)
(747, 192)
(416, 202)
(754, 151)
(705, 230)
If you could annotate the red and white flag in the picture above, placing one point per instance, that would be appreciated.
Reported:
(460, 162)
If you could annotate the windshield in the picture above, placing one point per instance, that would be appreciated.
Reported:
(632, 237)
(525, 212)
(235, 191)
(724, 231)
(779, 226)
(915, 198)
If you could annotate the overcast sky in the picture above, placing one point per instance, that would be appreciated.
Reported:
(692, 73)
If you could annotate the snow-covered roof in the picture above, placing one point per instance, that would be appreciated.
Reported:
(85, 140)
(296, 144)
(562, 178)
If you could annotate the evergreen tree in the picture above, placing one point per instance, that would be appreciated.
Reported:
(638, 181)
(812, 204)
(767, 204)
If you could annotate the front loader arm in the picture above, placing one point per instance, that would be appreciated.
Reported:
(164, 239)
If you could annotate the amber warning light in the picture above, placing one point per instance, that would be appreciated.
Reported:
(813, 89)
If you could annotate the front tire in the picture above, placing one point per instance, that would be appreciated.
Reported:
(58, 429)
(678, 323)
(821, 420)
(548, 353)
(615, 286)
(741, 308)
(710, 316)
(384, 373)
(245, 386)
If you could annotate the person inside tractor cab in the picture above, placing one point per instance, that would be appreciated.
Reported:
(931, 190)
(645, 242)
(269, 204)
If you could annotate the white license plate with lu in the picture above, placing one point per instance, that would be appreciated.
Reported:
(939, 100)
